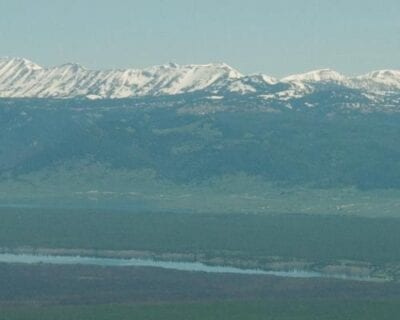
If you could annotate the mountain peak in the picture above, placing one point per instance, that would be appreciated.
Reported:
(233, 73)
(263, 78)
(20, 77)
(72, 65)
(324, 75)
(173, 65)
(382, 74)
(18, 63)
(379, 80)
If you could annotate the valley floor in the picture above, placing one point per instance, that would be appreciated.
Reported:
(250, 310)
(45, 292)
(331, 245)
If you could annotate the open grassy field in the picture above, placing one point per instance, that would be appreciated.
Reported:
(78, 285)
(312, 237)
(46, 292)
(259, 310)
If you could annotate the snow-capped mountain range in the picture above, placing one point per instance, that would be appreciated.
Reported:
(21, 78)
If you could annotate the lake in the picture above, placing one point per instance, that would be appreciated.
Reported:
(174, 265)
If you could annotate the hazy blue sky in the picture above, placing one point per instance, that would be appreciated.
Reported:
(274, 37)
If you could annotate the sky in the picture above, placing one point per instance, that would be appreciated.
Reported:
(278, 38)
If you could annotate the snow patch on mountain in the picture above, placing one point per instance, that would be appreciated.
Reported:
(380, 80)
(22, 78)
(323, 75)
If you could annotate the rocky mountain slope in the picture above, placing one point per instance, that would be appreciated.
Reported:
(21, 78)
